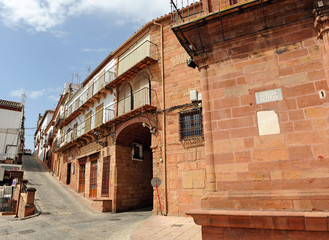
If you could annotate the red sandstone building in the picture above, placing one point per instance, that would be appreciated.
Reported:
(264, 76)
(240, 142)
(132, 119)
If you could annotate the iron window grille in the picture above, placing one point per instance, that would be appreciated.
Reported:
(190, 124)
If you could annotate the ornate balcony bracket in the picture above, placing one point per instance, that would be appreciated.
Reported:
(321, 24)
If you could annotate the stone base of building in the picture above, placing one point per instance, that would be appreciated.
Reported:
(301, 214)
(102, 205)
(253, 225)
(209, 233)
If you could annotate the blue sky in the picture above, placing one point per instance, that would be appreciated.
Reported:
(44, 42)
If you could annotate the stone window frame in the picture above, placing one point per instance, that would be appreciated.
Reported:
(190, 124)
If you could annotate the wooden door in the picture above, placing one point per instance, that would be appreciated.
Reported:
(106, 176)
(82, 180)
(93, 179)
(68, 176)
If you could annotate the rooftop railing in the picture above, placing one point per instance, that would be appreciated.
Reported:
(186, 10)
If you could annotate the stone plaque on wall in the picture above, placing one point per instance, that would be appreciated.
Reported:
(268, 123)
(268, 96)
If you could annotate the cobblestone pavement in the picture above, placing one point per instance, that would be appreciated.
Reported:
(65, 216)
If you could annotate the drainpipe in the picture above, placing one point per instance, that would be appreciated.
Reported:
(164, 147)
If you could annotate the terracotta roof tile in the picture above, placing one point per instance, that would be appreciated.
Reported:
(5, 103)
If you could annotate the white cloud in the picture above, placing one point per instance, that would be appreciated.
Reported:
(17, 93)
(36, 94)
(53, 98)
(94, 50)
(44, 15)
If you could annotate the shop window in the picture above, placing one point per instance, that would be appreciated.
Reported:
(137, 151)
(190, 124)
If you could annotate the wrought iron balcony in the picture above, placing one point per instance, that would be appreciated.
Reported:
(127, 108)
(202, 24)
(128, 65)
(59, 119)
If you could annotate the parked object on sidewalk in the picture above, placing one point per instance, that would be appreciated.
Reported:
(27, 152)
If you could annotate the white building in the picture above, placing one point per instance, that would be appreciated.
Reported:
(11, 129)
(45, 125)
(40, 147)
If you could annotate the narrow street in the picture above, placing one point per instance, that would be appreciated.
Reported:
(62, 216)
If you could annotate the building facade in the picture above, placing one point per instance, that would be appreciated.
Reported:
(11, 130)
(135, 117)
(41, 135)
(239, 130)
(264, 76)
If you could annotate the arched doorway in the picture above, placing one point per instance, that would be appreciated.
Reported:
(134, 163)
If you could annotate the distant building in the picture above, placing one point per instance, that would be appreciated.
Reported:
(40, 136)
(46, 125)
(11, 130)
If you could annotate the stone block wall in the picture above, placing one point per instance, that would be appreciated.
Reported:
(297, 156)
(185, 160)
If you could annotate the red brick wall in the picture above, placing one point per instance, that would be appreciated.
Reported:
(185, 162)
(289, 58)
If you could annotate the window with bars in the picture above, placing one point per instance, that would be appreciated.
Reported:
(190, 124)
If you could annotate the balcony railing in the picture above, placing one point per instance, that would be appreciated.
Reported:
(186, 10)
(59, 119)
(89, 124)
(139, 98)
(115, 75)
(207, 23)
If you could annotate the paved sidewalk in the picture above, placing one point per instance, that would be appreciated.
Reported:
(167, 228)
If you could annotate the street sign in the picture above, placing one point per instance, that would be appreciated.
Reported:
(155, 182)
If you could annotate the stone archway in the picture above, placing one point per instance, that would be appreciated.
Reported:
(134, 166)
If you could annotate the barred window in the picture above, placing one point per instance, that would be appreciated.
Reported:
(190, 124)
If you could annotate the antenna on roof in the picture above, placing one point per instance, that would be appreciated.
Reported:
(23, 98)
(77, 78)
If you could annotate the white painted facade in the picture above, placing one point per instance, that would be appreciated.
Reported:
(41, 135)
(77, 126)
(10, 127)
